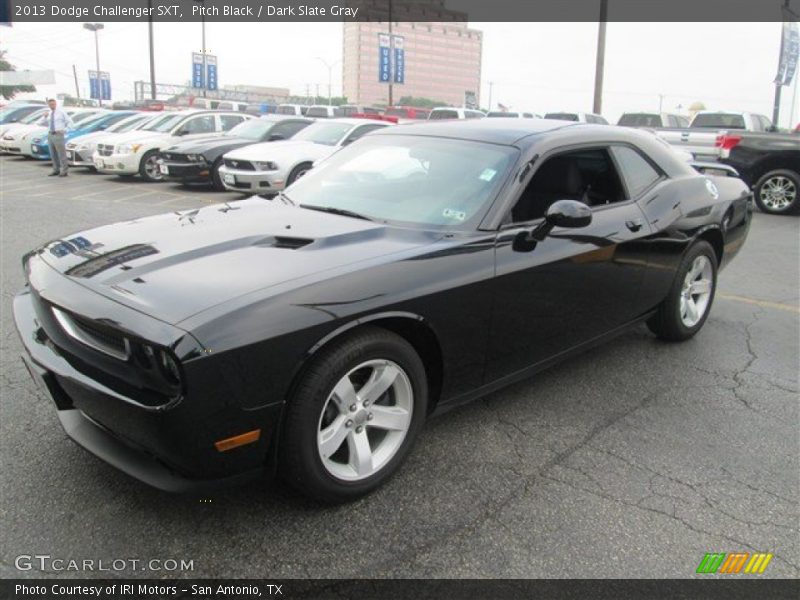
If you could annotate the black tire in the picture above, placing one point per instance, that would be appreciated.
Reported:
(300, 463)
(148, 157)
(298, 172)
(216, 179)
(667, 323)
(762, 192)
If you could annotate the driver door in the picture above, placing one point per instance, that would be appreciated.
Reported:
(576, 284)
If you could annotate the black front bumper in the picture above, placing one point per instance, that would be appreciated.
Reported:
(187, 172)
(171, 450)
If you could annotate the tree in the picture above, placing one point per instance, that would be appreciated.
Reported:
(420, 102)
(9, 91)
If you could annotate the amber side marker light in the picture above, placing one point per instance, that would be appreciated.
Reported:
(238, 440)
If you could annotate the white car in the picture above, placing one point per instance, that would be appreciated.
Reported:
(31, 121)
(512, 114)
(294, 110)
(580, 117)
(448, 112)
(320, 111)
(270, 167)
(80, 150)
(137, 152)
(18, 140)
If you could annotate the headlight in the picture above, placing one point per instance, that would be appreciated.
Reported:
(37, 140)
(265, 166)
(90, 146)
(127, 148)
(158, 361)
(196, 158)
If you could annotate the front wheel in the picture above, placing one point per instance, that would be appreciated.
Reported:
(216, 177)
(298, 172)
(777, 192)
(684, 311)
(148, 168)
(354, 416)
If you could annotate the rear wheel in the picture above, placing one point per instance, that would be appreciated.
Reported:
(354, 416)
(777, 192)
(148, 167)
(684, 311)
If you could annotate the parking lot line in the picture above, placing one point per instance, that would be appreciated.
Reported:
(761, 303)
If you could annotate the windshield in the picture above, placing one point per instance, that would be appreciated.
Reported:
(251, 129)
(33, 118)
(286, 110)
(317, 111)
(131, 122)
(443, 114)
(164, 124)
(83, 117)
(562, 116)
(718, 121)
(412, 180)
(640, 120)
(328, 134)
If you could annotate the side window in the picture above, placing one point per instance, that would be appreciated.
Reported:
(471, 114)
(683, 122)
(203, 124)
(230, 121)
(287, 130)
(672, 121)
(586, 175)
(637, 172)
(360, 131)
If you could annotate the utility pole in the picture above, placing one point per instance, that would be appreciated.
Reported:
(391, 57)
(660, 102)
(601, 57)
(75, 75)
(329, 66)
(152, 51)
(95, 27)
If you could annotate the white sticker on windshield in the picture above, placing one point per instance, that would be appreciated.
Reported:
(488, 174)
(451, 213)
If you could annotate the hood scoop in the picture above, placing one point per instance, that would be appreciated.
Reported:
(284, 242)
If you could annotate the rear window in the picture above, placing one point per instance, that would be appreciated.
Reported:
(718, 121)
(443, 114)
(562, 116)
(317, 111)
(286, 110)
(498, 114)
(640, 120)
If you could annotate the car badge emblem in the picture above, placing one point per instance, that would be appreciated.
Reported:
(234, 163)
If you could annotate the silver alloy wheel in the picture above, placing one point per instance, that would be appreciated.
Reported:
(151, 167)
(696, 292)
(778, 193)
(365, 420)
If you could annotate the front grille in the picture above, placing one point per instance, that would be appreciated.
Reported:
(242, 165)
(174, 157)
(100, 338)
(105, 149)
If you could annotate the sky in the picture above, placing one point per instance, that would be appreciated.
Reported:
(532, 66)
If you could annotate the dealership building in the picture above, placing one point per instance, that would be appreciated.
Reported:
(440, 60)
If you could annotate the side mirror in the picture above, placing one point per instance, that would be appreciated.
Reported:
(568, 213)
(562, 213)
(276, 137)
(181, 132)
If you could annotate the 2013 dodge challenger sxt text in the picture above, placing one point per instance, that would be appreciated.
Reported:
(423, 266)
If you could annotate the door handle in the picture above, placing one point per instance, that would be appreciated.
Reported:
(634, 225)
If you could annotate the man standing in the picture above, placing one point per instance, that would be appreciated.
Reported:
(58, 123)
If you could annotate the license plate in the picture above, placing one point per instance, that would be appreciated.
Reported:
(70, 155)
(228, 178)
(98, 162)
(164, 169)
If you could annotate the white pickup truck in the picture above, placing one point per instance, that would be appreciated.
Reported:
(701, 137)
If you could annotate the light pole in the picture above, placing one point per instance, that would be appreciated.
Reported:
(95, 27)
(203, 50)
(330, 70)
(597, 105)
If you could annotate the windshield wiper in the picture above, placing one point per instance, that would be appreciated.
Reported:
(286, 199)
(337, 211)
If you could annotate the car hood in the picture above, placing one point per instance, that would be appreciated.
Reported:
(18, 129)
(176, 265)
(94, 137)
(29, 130)
(204, 144)
(138, 136)
(287, 151)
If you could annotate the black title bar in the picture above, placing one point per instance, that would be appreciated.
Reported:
(396, 10)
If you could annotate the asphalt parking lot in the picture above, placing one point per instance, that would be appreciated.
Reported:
(633, 460)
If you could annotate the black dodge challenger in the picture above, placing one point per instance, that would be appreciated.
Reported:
(311, 335)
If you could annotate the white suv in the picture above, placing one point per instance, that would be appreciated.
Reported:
(446, 112)
(137, 151)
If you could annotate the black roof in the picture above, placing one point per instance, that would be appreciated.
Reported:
(494, 131)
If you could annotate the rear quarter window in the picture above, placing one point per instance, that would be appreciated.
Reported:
(718, 121)
(636, 171)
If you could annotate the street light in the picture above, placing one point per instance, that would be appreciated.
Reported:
(95, 27)
(330, 70)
